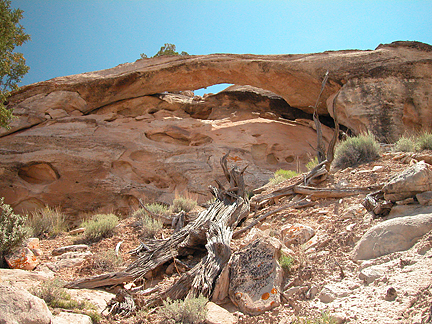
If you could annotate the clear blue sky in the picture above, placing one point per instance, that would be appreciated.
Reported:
(76, 36)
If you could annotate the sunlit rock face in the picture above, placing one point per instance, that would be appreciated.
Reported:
(102, 140)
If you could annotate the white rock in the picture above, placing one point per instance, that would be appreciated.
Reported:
(71, 318)
(369, 275)
(18, 306)
(397, 234)
(415, 179)
(219, 315)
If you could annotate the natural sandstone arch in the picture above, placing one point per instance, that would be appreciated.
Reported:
(394, 74)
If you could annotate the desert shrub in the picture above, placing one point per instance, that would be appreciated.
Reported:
(405, 144)
(355, 151)
(12, 229)
(158, 209)
(106, 261)
(282, 175)
(99, 226)
(149, 225)
(286, 262)
(183, 203)
(53, 293)
(46, 221)
(424, 142)
(189, 311)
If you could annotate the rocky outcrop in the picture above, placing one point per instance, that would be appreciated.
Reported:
(102, 140)
(150, 148)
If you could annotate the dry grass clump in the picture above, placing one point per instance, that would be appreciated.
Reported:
(188, 311)
(46, 222)
(355, 151)
(99, 227)
(282, 175)
(149, 226)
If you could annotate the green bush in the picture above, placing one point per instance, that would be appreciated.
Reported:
(286, 262)
(355, 151)
(189, 311)
(12, 229)
(46, 221)
(282, 175)
(99, 227)
(424, 142)
(405, 144)
(183, 203)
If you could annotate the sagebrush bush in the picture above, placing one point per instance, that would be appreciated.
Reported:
(282, 175)
(189, 311)
(12, 229)
(99, 226)
(424, 142)
(149, 225)
(183, 203)
(355, 151)
(46, 221)
(405, 144)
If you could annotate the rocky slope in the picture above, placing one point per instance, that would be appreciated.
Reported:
(326, 274)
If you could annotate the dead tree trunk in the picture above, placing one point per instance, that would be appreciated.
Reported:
(213, 226)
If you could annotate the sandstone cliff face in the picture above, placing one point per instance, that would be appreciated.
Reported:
(104, 139)
(149, 147)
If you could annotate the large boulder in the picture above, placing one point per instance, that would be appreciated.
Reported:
(415, 179)
(256, 277)
(18, 306)
(397, 234)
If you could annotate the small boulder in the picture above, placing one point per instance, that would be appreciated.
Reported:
(18, 306)
(219, 315)
(397, 234)
(256, 277)
(23, 259)
(369, 275)
(424, 198)
(71, 318)
(296, 234)
(417, 178)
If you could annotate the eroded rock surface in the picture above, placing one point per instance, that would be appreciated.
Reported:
(102, 140)
(256, 277)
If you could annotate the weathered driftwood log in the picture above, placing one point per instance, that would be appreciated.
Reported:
(230, 208)
(377, 205)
